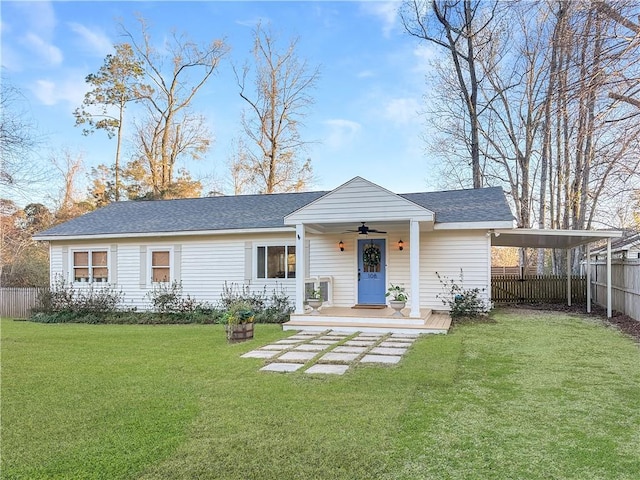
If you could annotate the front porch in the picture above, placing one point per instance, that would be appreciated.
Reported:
(347, 319)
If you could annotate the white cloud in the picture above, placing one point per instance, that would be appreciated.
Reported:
(45, 50)
(94, 39)
(365, 74)
(70, 89)
(402, 111)
(386, 12)
(341, 132)
(40, 17)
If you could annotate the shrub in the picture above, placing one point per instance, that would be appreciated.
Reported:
(63, 297)
(274, 308)
(462, 302)
(167, 298)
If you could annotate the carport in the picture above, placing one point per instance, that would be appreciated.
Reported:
(560, 239)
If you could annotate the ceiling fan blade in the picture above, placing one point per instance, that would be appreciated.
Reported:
(376, 231)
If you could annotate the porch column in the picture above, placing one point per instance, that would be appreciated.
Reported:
(608, 277)
(588, 278)
(568, 276)
(301, 256)
(414, 267)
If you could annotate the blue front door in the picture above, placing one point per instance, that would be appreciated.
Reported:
(371, 271)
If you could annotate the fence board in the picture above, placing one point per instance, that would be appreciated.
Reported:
(536, 288)
(625, 285)
(18, 302)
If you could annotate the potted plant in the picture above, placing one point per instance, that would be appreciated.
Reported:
(398, 299)
(314, 300)
(238, 320)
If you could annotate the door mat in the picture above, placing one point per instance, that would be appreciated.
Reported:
(370, 307)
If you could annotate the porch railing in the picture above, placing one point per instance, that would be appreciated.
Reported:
(324, 284)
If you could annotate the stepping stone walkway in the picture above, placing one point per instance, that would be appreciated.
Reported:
(330, 352)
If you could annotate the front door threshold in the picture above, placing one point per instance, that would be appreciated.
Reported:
(374, 306)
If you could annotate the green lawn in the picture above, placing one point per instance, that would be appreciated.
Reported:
(531, 396)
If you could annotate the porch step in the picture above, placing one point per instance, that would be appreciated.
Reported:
(363, 320)
(351, 327)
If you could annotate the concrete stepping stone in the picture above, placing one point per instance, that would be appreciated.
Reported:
(337, 334)
(388, 351)
(323, 342)
(310, 348)
(328, 369)
(343, 349)
(287, 341)
(300, 337)
(338, 357)
(371, 335)
(380, 359)
(260, 354)
(282, 367)
(359, 343)
(404, 335)
(395, 344)
(297, 356)
(275, 347)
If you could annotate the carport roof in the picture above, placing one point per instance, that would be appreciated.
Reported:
(535, 238)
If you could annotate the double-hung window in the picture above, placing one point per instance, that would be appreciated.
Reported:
(276, 261)
(90, 266)
(161, 265)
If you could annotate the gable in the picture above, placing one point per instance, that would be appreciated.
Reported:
(359, 200)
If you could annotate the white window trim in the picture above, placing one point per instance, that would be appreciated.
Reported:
(90, 250)
(172, 269)
(273, 243)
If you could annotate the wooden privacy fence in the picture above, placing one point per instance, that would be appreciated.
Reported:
(625, 285)
(537, 288)
(18, 302)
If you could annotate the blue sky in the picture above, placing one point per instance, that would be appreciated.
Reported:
(365, 120)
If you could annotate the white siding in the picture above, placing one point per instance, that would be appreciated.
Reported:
(207, 262)
(446, 252)
(356, 201)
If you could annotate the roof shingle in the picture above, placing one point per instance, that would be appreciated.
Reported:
(260, 211)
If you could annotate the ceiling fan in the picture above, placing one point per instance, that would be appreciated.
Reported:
(364, 230)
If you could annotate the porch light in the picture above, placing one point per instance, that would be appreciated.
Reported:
(341, 245)
(400, 245)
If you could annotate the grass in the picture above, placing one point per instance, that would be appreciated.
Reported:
(532, 395)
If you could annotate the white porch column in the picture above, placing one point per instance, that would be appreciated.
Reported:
(568, 276)
(301, 256)
(588, 278)
(608, 277)
(414, 267)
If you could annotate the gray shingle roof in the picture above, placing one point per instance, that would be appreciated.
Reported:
(259, 211)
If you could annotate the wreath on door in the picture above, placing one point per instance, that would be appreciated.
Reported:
(371, 256)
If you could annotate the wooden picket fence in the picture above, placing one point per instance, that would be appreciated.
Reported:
(536, 289)
(18, 302)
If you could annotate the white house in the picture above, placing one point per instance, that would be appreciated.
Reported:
(353, 241)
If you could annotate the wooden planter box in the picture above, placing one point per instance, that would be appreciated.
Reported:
(240, 332)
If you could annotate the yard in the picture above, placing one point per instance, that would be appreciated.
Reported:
(533, 395)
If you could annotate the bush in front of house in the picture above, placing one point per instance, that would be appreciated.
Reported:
(63, 303)
(268, 308)
(462, 302)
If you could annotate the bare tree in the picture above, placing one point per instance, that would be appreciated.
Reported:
(114, 86)
(69, 166)
(18, 140)
(277, 103)
(170, 131)
(463, 28)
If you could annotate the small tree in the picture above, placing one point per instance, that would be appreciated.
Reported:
(114, 86)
